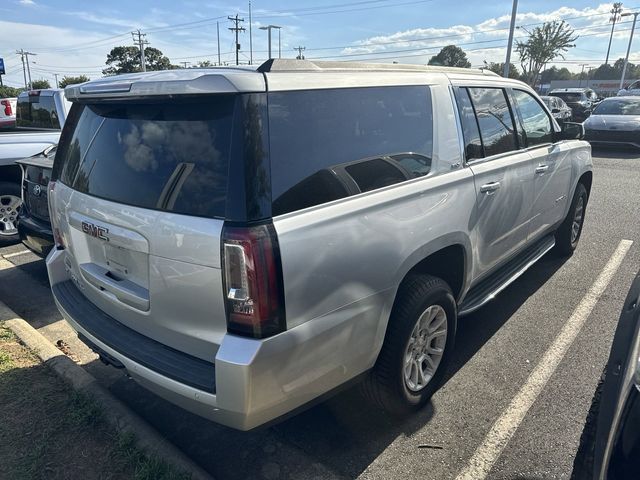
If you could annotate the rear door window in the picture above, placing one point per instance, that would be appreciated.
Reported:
(495, 120)
(470, 130)
(329, 144)
(170, 156)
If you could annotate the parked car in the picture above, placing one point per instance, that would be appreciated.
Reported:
(242, 272)
(615, 122)
(560, 110)
(34, 226)
(633, 89)
(7, 112)
(580, 100)
(40, 115)
(610, 442)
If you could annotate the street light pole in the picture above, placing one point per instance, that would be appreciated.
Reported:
(268, 28)
(507, 61)
(626, 59)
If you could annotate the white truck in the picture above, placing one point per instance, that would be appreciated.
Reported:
(40, 115)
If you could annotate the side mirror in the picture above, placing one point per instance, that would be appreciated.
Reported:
(555, 110)
(571, 131)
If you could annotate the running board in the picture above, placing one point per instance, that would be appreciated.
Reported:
(488, 288)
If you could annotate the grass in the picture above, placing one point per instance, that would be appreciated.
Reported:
(48, 431)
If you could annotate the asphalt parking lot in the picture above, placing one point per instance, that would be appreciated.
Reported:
(498, 349)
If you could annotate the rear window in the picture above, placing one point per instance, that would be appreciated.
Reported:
(37, 111)
(618, 106)
(329, 144)
(568, 96)
(170, 156)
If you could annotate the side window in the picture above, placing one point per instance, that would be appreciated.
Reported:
(495, 121)
(329, 144)
(470, 132)
(536, 123)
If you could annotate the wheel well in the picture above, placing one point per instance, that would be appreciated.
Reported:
(586, 179)
(447, 264)
(11, 173)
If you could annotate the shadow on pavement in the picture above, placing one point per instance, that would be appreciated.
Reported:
(345, 434)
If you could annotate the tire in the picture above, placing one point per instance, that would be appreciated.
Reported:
(419, 296)
(583, 464)
(8, 193)
(566, 237)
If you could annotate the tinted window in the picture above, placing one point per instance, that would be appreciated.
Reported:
(166, 156)
(317, 138)
(37, 111)
(494, 119)
(616, 106)
(568, 96)
(471, 134)
(536, 123)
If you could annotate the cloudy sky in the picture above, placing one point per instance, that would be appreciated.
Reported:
(73, 37)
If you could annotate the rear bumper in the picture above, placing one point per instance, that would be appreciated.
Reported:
(36, 235)
(252, 381)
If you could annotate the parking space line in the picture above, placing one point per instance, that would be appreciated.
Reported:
(16, 254)
(506, 425)
(5, 264)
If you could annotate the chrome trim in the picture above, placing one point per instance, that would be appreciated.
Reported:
(508, 282)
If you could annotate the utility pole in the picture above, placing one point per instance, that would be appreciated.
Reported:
(185, 64)
(237, 30)
(626, 59)
(24, 56)
(218, 29)
(582, 73)
(250, 37)
(57, 84)
(139, 40)
(615, 14)
(300, 50)
(507, 61)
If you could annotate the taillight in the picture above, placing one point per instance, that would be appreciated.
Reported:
(57, 236)
(8, 111)
(253, 287)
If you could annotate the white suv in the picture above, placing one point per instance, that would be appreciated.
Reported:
(245, 241)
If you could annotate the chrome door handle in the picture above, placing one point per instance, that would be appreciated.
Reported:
(540, 169)
(490, 188)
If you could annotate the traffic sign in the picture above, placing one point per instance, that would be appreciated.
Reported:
(2, 66)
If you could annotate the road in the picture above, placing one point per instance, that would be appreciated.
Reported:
(497, 350)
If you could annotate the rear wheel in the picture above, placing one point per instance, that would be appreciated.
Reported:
(10, 202)
(568, 234)
(417, 347)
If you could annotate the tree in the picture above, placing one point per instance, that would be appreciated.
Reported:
(545, 43)
(40, 84)
(451, 56)
(127, 60)
(69, 80)
(9, 92)
(205, 63)
(555, 73)
(499, 69)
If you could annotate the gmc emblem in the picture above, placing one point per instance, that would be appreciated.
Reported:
(95, 231)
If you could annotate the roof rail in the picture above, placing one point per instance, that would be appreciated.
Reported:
(293, 65)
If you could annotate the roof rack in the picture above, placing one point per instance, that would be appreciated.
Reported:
(293, 65)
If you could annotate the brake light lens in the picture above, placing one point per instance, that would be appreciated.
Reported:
(253, 286)
(58, 239)
(8, 111)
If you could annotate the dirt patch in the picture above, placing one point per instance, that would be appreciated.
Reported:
(48, 431)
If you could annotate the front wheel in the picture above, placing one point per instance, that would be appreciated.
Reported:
(568, 234)
(10, 202)
(417, 346)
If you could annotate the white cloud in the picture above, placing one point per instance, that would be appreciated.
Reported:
(26, 2)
